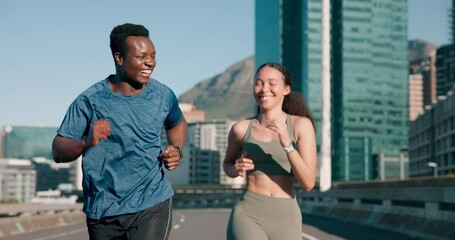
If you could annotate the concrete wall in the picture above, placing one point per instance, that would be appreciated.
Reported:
(421, 207)
(22, 218)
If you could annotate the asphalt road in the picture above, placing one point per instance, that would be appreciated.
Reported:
(210, 224)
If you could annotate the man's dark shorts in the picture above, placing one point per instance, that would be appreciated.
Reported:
(151, 223)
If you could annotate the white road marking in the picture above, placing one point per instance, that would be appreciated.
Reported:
(308, 236)
(62, 234)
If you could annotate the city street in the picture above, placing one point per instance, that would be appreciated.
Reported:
(210, 224)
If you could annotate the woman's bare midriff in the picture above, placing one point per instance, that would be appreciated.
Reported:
(278, 186)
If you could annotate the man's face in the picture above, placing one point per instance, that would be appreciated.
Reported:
(139, 61)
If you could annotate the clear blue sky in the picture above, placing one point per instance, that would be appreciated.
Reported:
(51, 50)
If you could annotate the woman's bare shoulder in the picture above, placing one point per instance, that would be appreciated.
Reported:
(239, 128)
(241, 125)
(301, 122)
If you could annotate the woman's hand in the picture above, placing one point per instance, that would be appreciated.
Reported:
(282, 129)
(243, 164)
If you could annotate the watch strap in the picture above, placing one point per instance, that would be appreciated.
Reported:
(180, 151)
(289, 149)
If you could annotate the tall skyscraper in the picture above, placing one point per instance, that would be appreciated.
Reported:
(370, 86)
(369, 73)
(289, 32)
(445, 61)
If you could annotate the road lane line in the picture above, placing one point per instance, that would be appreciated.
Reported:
(308, 236)
(62, 234)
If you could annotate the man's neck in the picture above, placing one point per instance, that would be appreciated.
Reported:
(117, 85)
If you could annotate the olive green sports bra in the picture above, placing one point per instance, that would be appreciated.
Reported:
(268, 157)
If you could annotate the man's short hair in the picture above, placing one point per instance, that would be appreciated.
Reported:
(121, 32)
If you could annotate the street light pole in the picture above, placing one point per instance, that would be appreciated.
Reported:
(435, 168)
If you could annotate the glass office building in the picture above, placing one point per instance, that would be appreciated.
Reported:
(26, 142)
(289, 32)
(369, 87)
(35, 143)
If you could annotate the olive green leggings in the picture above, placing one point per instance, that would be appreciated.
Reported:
(258, 217)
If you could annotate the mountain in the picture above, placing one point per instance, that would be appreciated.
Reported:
(227, 95)
(419, 49)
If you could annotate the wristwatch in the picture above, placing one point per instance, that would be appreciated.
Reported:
(180, 151)
(289, 149)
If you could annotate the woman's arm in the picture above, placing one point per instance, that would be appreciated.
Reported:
(235, 161)
(303, 160)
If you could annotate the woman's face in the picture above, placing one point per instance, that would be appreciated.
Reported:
(270, 89)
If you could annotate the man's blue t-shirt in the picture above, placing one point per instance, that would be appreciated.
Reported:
(123, 173)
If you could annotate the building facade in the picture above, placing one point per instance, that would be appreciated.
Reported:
(182, 174)
(289, 32)
(204, 166)
(209, 139)
(18, 180)
(432, 139)
(415, 95)
(27, 142)
(445, 69)
(1, 143)
(422, 85)
(369, 84)
(191, 113)
(35, 143)
(50, 174)
(369, 70)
